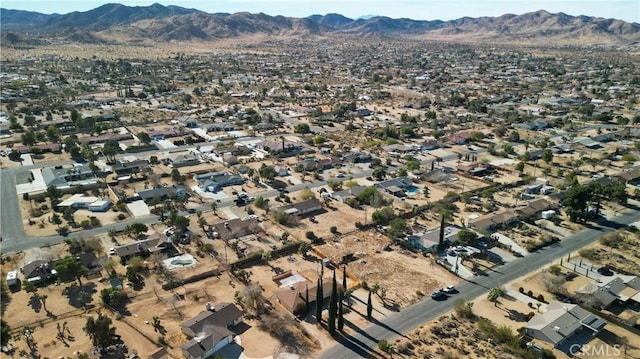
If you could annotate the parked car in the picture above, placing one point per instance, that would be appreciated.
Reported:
(450, 290)
(438, 294)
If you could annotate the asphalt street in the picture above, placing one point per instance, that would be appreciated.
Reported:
(365, 340)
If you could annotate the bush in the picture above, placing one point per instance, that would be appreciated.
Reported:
(334, 229)
(529, 315)
(521, 290)
(122, 216)
(588, 253)
(540, 298)
(555, 270)
(310, 235)
(530, 293)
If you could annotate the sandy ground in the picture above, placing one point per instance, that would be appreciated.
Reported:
(373, 265)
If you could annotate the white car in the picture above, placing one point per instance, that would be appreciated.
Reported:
(112, 251)
(450, 289)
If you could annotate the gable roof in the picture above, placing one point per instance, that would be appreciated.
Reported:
(237, 227)
(291, 297)
(562, 320)
(222, 315)
(196, 347)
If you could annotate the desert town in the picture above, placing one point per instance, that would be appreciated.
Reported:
(249, 202)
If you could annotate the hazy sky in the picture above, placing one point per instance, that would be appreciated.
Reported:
(628, 10)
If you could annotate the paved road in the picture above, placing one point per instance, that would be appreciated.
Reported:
(360, 344)
(15, 239)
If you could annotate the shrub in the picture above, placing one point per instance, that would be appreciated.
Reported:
(529, 315)
(555, 270)
(310, 235)
(530, 293)
(521, 290)
(540, 298)
(334, 229)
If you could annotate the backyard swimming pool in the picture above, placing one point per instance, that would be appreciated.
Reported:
(412, 191)
(185, 260)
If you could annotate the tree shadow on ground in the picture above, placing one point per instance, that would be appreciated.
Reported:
(34, 303)
(80, 297)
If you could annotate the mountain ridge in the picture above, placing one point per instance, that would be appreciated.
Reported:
(157, 22)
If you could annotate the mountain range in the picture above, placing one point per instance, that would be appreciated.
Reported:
(119, 23)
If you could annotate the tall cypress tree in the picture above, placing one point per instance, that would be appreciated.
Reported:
(340, 315)
(344, 278)
(441, 236)
(319, 298)
(369, 306)
(306, 300)
(333, 306)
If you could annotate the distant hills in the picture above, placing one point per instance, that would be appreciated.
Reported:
(120, 23)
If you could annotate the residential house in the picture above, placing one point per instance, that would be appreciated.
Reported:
(282, 148)
(537, 206)
(430, 239)
(89, 140)
(185, 161)
(93, 204)
(345, 194)
(220, 127)
(474, 168)
(143, 248)
(70, 176)
(49, 147)
(395, 186)
(292, 296)
(430, 144)
(357, 157)
(158, 135)
(459, 138)
(301, 208)
(619, 288)
(236, 228)
(563, 325)
(535, 125)
(631, 176)
(161, 193)
(587, 143)
(215, 181)
(209, 331)
(493, 221)
(38, 270)
(188, 121)
(132, 167)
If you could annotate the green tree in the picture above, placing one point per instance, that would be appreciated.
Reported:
(340, 314)
(397, 228)
(333, 306)
(467, 236)
(304, 248)
(547, 156)
(444, 217)
(70, 268)
(383, 216)
(302, 128)
(144, 137)
(114, 298)
(267, 172)
(55, 219)
(334, 185)
(136, 228)
(495, 294)
(176, 176)
(53, 133)
(54, 195)
(319, 300)
(101, 332)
